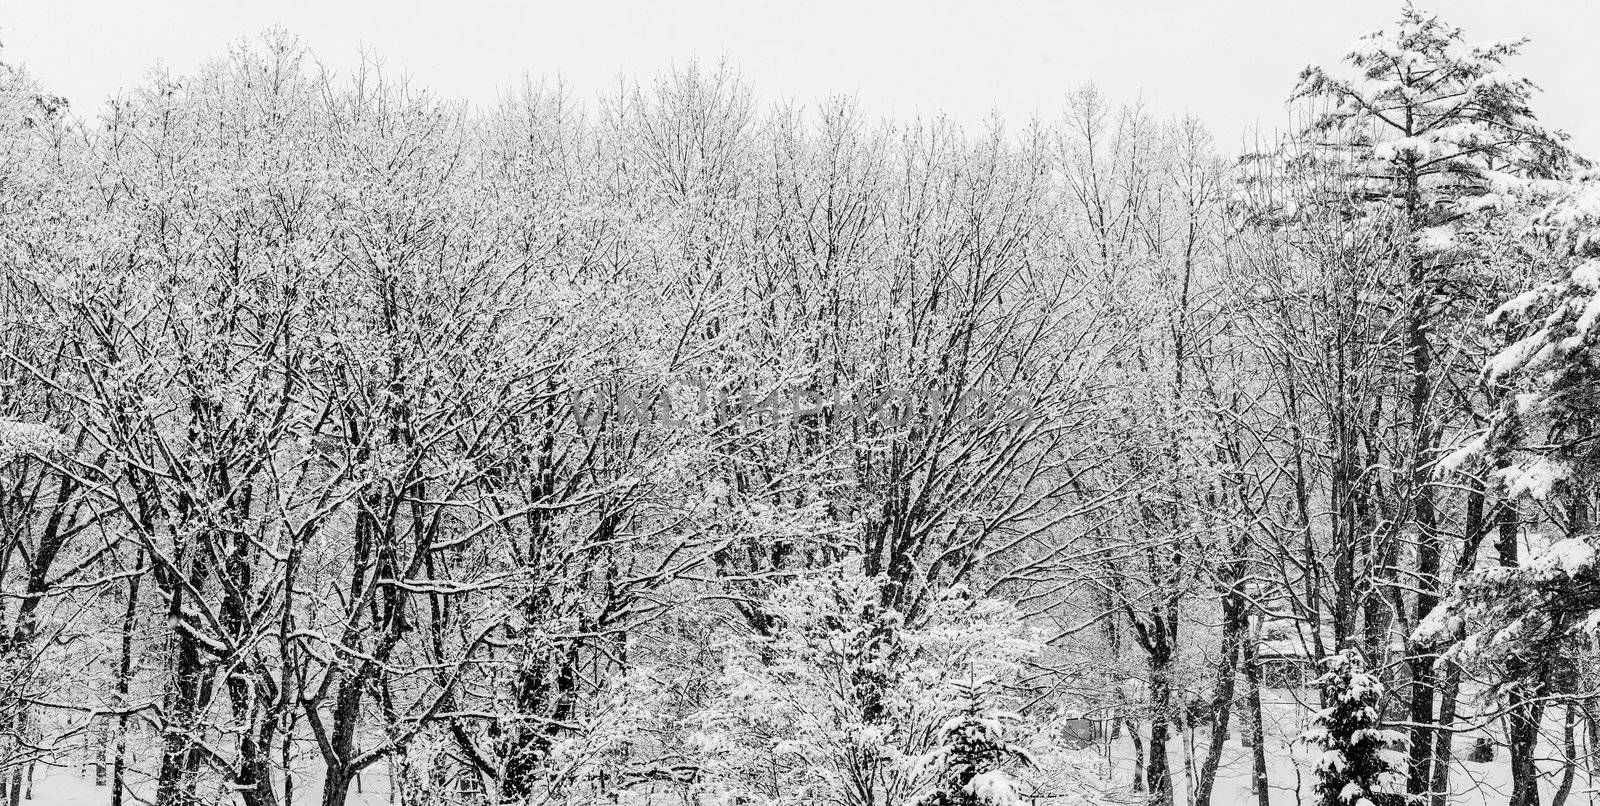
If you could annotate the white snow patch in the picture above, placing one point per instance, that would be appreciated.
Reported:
(1570, 557)
(995, 788)
(1536, 479)
(27, 439)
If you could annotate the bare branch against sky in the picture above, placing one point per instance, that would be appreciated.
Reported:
(1229, 62)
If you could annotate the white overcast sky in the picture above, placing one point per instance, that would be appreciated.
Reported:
(1230, 62)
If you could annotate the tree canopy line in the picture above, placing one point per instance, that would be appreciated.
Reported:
(348, 434)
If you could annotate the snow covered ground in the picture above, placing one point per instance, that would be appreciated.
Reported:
(75, 786)
(1288, 767)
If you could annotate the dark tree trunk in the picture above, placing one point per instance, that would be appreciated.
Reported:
(1258, 752)
(1569, 755)
(1233, 635)
(1522, 732)
(253, 778)
(1138, 755)
(119, 761)
(1525, 707)
(175, 784)
(1444, 738)
(1425, 517)
(339, 751)
(1158, 770)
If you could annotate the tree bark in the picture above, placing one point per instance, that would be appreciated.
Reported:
(1569, 756)
(175, 784)
(1258, 752)
(1158, 768)
(1233, 634)
(119, 762)
(1425, 517)
(1522, 732)
(1444, 737)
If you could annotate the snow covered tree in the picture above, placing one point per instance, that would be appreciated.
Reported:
(350, 436)
(826, 710)
(1439, 137)
(1548, 372)
(971, 764)
(1524, 619)
(1432, 120)
(45, 519)
(1361, 762)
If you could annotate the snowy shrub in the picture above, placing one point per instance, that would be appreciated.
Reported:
(844, 701)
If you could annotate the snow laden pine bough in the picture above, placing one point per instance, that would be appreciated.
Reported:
(1543, 434)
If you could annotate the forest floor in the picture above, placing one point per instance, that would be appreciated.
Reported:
(1289, 765)
(1288, 769)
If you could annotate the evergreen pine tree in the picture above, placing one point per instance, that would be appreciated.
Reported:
(1360, 758)
(972, 760)
(1440, 141)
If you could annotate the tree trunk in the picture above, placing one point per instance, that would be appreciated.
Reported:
(1258, 751)
(1522, 732)
(175, 782)
(119, 761)
(1526, 709)
(341, 743)
(1426, 519)
(1186, 733)
(1233, 634)
(286, 759)
(1132, 729)
(1158, 769)
(1569, 755)
(1444, 738)
(252, 710)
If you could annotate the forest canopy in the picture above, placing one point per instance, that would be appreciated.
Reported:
(358, 446)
